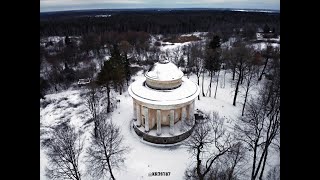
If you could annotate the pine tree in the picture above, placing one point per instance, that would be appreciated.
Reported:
(266, 28)
(113, 73)
(67, 41)
(215, 42)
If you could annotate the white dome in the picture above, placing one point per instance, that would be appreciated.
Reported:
(164, 72)
(164, 75)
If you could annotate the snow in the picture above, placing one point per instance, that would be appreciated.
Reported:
(263, 45)
(172, 46)
(103, 15)
(274, 42)
(198, 34)
(165, 72)
(64, 106)
(260, 37)
(143, 157)
(253, 10)
(228, 43)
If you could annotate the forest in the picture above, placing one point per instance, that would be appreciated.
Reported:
(167, 22)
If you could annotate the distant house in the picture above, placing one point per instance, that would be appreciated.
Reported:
(83, 82)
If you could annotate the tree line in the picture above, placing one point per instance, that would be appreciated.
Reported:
(171, 22)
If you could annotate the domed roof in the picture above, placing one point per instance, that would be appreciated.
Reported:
(164, 71)
(187, 92)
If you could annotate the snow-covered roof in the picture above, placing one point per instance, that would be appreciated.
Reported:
(186, 92)
(164, 71)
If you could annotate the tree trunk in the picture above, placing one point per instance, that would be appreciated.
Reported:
(254, 160)
(215, 93)
(209, 89)
(224, 79)
(66, 65)
(245, 101)
(76, 172)
(233, 72)
(236, 160)
(120, 89)
(108, 97)
(242, 78)
(198, 77)
(259, 164)
(245, 98)
(264, 163)
(110, 170)
(202, 84)
(264, 67)
(77, 175)
(199, 163)
(236, 91)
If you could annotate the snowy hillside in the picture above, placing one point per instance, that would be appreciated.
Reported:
(143, 157)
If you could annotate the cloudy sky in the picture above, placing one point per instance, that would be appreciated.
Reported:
(59, 5)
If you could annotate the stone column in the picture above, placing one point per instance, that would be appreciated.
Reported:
(158, 122)
(146, 119)
(138, 115)
(171, 131)
(184, 115)
(134, 111)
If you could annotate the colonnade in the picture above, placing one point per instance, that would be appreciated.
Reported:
(141, 116)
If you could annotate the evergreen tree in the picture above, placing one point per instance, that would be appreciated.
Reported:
(127, 69)
(213, 60)
(113, 73)
(266, 28)
(215, 42)
(44, 85)
(67, 41)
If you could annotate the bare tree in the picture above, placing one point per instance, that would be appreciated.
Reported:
(225, 58)
(274, 173)
(213, 60)
(234, 161)
(261, 123)
(190, 62)
(63, 151)
(177, 56)
(249, 75)
(267, 54)
(241, 54)
(106, 151)
(196, 58)
(203, 71)
(208, 142)
(92, 103)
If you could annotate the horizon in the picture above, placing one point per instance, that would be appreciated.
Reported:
(74, 5)
(155, 8)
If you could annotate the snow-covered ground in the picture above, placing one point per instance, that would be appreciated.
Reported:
(143, 157)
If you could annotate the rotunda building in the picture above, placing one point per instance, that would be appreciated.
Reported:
(164, 104)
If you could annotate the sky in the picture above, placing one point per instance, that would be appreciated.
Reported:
(61, 5)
